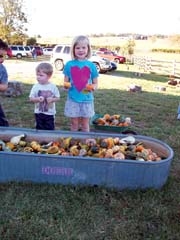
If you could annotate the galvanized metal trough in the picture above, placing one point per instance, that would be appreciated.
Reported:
(111, 173)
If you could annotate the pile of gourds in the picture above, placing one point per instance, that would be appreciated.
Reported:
(109, 147)
(112, 120)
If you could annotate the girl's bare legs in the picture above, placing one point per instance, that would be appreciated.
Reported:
(74, 124)
(85, 124)
(82, 123)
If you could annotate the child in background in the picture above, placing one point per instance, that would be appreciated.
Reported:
(3, 80)
(81, 79)
(44, 95)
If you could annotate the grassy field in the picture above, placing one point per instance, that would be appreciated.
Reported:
(142, 47)
(52, 212)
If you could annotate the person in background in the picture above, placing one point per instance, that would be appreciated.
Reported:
(34, 53)
(44, 95)
(3, 80)
(81, 79)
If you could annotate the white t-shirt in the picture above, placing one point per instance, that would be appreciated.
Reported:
(44, 90)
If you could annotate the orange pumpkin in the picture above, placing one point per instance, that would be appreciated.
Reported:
(109, 141)
(139, 148)
(90, 87)
(67, 85)
(107, 116)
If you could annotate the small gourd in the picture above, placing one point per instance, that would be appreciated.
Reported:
(35, 146)
(16, 139)
(104, 144)
(94, 149)
(53, 150)
(2, 145)
(128, 140)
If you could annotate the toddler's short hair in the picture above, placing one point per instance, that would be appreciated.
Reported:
(45, 67)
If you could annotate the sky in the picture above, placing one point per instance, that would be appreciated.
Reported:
(57, 18)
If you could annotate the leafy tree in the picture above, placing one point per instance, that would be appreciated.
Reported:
(31, 41)
(128, 48)
(18, 39)
(12, 19)
(175, 40)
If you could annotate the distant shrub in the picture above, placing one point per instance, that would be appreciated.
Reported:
(165, 50)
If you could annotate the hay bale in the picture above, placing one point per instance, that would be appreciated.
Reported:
(15, 88)
(134, 88)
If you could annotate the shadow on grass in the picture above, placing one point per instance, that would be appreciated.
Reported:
(145, 76)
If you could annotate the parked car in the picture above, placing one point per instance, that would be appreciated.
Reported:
(61, 54)
(111, 63)
(9, 53)
(47, 51)
(28, 51)
(103, 49)
(113, 66)
(112, 56)
(18, 51)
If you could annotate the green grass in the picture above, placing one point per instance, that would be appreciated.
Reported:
(52, 211)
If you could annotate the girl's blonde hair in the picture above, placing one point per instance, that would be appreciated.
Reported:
(78, 40)
(45, 67)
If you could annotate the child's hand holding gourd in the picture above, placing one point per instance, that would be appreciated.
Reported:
(90, 87)
(67, 85)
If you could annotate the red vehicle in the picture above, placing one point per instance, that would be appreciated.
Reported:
(112, 56)
(9, 53)
(103, 49)
(39, 50)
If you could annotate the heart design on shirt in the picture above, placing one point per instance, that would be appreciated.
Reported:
(80, 77)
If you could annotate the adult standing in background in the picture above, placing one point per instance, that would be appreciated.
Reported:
(34, 54)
